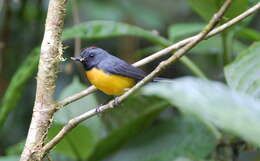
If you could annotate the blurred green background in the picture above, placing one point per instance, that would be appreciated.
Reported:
(145, 127)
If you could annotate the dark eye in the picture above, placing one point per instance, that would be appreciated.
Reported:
(91, 55)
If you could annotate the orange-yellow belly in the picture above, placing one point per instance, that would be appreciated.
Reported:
(109, 83)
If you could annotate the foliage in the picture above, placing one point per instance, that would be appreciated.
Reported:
(243, 73)
(12, 95)
(176, 136)
(90, 30)
(229, 110)
(184, 119)
(206, 8)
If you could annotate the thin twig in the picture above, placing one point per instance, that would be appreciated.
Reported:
(75, 121)
(77, 96)
(169, 49)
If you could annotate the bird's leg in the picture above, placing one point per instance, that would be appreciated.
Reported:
(98, 108)
(116, 101)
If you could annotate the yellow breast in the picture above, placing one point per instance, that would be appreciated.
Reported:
(109, 83)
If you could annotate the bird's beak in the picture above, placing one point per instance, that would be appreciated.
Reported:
(80, 59)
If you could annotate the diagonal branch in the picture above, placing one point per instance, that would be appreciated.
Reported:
(167, 50)
(75, 121)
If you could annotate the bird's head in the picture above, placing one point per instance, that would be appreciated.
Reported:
(90, 57)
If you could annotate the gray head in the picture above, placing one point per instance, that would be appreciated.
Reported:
(90, 57)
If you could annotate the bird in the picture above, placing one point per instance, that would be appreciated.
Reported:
(108, 73)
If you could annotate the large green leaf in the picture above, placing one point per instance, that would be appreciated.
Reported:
(215, 103)
(182, 30)
(108, 29)
(80, 142)
(249, 34)
(126, 121)
(212, 45)
(15, 149)
(168, 140)
(10, 158)
(243, 74)
(14, 91)
(206, 8)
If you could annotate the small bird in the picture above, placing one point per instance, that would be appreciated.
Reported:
(108, 73)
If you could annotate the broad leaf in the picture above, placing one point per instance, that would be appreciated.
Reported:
(10, 158)
(147, 51)
(214, 103)
(206, 8)
(212, 45)
(243, 74)
(168, 140)
(16, 149)
(126, 121)
(108, 29)
(80, 142)
(249, 34)
(77, 144)
(78, 107)
(14, 91)
(182, 30)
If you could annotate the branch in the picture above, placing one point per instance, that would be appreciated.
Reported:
(171, 48)
(75, 121)
(44, 106)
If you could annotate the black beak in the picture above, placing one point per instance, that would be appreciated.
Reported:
(77, 59)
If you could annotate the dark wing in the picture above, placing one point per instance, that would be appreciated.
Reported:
(120, 67)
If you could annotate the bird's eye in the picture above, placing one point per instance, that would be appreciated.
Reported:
(91, 55)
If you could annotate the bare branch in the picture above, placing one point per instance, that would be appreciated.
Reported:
(77, 96)
(172, 48)
(45, 106)
(75, 121)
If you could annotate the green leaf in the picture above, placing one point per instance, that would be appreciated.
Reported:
(13, 93)
(212, 45)
(108, 29)
(10, 158)
(243, 74)
(214, 103)
(146, 51)
(249, 34)
(81, 141)
(78, 107)
(182, 30)
(206, 8)
(169, 140)
(77, 144)
(16, 149)
(136, 113)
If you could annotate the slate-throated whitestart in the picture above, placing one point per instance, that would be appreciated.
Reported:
(108, 73)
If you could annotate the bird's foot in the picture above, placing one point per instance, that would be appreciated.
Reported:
(98, 110)
(116, 102)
